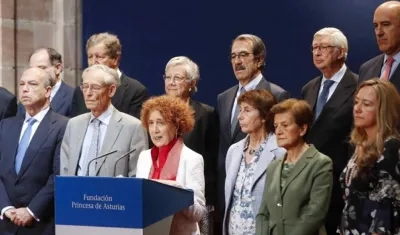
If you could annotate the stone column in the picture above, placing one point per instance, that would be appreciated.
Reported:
(29, 24)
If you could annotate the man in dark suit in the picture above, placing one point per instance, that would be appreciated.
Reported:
(29, 159)
(387, 32)
(247, 58)
(8, 104)
(330, 95)
(50, 60)
(105, 48)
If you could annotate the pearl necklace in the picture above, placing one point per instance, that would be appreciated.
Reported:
(351, 171)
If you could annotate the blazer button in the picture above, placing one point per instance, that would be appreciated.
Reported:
(279, 204)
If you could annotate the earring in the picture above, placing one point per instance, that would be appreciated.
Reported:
(190, 89)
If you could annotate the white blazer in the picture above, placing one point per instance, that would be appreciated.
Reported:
(191, 176)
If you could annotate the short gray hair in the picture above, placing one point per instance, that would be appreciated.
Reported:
(337, 37)
(191, 68)
(110, 75)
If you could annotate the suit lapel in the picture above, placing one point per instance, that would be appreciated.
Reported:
(277, 175)
(342, 93)
(112, 133)
(13, 138)
(265, 159)
(78, 138)
(118, 98)
(312, 97)
(299, 166)
(227, 112)
(58, 100)
(234, 169)
(377, 67)
(45, 128)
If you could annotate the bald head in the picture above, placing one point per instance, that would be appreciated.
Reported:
(35, 89)
(387, 27)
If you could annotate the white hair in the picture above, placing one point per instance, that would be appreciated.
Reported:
(191, 69)
(110, 76)
(337, 37)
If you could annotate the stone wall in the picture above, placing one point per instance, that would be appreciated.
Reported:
(28, 24)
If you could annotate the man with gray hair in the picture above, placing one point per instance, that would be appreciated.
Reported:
(102, 131)
(248, 60)
(30, 159)
(106, 48)
(330, 95)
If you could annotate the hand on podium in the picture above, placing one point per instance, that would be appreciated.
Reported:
(170, 182)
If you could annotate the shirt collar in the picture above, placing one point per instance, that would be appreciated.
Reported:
(396, 57)
(253, 84)
(119, 73)
(104, 117)
(39, 116)
(337, 77)
(55, 88)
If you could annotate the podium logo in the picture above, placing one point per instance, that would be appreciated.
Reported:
(97, 202)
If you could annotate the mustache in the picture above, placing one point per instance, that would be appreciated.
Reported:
(239, 67)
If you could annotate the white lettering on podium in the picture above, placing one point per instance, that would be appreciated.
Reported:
(97, 202)
(97, 198)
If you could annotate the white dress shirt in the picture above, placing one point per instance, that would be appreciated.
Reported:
(337, 77)
(105, 120)
(54, 90)
(39, 118)
(249, 87)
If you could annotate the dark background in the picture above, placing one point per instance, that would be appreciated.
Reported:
(153, 31)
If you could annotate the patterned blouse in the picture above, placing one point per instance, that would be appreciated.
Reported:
(286, 169)
(242, 217)
(372, 195)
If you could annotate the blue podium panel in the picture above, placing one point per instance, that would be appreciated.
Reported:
(116, 202)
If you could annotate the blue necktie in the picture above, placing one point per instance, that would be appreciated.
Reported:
(323, 97)
(94, 147)
(235, 115)
(23, 145)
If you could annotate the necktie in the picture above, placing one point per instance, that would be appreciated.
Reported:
(323, 97)
(388, 67)
(94, 147)
(23, 145)
(235, 115)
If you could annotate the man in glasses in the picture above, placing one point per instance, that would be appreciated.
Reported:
(50, 60)
(330, 95)
(248, 60)
(101, 131)
(105, 48)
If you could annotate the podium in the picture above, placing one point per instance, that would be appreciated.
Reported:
(110, 206)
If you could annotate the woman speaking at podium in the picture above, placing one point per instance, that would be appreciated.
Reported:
(166, 119)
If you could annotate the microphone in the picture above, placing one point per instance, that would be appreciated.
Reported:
(123, 156)
(101, 156)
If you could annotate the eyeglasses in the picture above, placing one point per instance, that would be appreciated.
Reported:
(177, 79)
(241, 55)
(320, 48)
(93, 87)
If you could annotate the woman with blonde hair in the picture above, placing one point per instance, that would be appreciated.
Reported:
(371, 179)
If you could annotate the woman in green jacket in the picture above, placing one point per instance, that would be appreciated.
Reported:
(298, 186)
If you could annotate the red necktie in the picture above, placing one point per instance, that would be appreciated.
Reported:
(388, 67)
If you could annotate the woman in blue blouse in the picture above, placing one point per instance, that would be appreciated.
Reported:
(247, 161)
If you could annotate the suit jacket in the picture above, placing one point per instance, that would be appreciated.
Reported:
(225, 103)
(330, 133)
(233, 161)
(372, 68)
(8, 104)
(61, 102)
(203, 139)
(190, 175)
(300, 206)
(123, 134)
(33, 187)
(127, 99)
